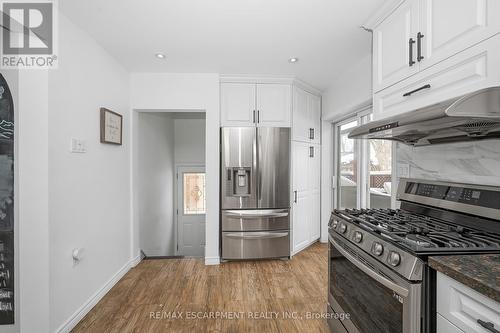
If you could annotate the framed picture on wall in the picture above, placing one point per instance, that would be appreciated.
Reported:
(111, 127)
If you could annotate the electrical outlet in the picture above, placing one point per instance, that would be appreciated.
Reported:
(78, 146)
(404, 170)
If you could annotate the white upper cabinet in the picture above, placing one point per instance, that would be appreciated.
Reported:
(448, 26)
(315, 118)
(475, 68)
(421, 33)
(394, 46)
(306, 116)
(274, 105)
(300, 129)
(237, 104)
(250, 104)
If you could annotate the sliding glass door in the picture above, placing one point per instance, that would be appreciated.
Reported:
(347, 166)
(363, 168)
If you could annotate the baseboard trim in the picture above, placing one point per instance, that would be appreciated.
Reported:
(135, 261)
(94, 299)
(212, 261)
(302, 248)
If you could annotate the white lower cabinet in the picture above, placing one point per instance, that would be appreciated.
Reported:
(475, 68)
(461, 308)
(306, 194)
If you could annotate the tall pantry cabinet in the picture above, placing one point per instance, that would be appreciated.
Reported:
(306, 169)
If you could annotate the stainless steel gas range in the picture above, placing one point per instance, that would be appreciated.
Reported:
(379, 280)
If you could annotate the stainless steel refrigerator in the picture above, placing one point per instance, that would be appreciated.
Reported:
(255, 192)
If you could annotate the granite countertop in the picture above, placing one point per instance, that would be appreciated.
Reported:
(479, 272)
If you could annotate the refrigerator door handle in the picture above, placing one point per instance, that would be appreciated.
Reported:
(256, 235)
(259, 174)
(255, 214)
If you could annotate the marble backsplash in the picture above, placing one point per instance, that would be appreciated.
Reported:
(465, 162)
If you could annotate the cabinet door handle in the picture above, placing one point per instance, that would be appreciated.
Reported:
(411, 62)
(254, 116)
(258, 116)
(295, 196)
(488, 325)
(419, 46)
(311, 133)
(311, 151)
(427, 86)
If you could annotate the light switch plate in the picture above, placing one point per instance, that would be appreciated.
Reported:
(78, 146)
(404, 170)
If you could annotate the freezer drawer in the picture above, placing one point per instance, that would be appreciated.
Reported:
(255, 244)
(255, 220)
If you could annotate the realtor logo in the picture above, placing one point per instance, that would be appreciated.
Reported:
(28, 36)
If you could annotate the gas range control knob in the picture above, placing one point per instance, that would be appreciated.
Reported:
(342, 228)
(394, 259)
(377, 249)
(358, 237)
(334, 223)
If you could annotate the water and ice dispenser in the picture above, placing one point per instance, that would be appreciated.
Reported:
(239, 181)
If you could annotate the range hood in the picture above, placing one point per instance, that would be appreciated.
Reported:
(473, 116)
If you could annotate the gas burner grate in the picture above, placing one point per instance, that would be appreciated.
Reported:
(417, 231)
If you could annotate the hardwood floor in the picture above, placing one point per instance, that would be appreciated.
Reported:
(187, 289)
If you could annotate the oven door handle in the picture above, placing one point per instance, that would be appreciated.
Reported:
(374, 275)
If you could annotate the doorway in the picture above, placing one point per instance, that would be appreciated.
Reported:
(191, 209)
(363, 168)
(170, 144)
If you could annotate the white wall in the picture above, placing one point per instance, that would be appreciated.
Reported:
(350, 90)
(189, 141)
(32, 196)
(162, 91)
(89, 194)
(156, 183)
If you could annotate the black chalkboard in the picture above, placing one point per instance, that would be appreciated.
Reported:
(6, 204)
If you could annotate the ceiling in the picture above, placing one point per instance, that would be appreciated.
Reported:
(230, 36)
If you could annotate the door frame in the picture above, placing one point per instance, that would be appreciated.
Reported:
(179, 168)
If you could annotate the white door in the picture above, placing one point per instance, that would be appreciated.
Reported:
(301, 196)
(314, 172)
(274, 105)
(394, 49)
(237, 104)
(315, 118)
(191, 211)
(301, 118)
(449, 27)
